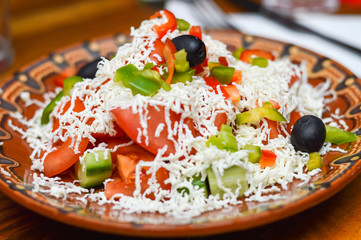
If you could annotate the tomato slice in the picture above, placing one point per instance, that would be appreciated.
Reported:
(130, 123)
(169, 25)
(196, 31)
(64, 157)
(157, 52)
(293, 119)
(212, 82)
(248, 54)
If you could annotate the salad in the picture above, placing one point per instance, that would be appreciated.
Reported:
(175, 123)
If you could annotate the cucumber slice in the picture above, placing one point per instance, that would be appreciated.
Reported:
(197, 181)
(254, 153)
(230, 179)
(92, 172)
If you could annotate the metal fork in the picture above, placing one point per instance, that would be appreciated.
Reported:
(210, 15)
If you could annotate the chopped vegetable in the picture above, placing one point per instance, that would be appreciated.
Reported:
(169, 51)
(259, 61)
(223, 74)
(181, 63)
(169, 26)
(254, 153)
(256, 114)
(45, 117)
(237, 54)
(225, 140)
(247, 55)
(314, 161)
(197, 183)
(95, 169)
(233, 92)
(196, 31)
(182, 24)
(268, 158)
(339, 136)
(232, 178)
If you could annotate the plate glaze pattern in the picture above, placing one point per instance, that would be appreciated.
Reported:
(338, 169)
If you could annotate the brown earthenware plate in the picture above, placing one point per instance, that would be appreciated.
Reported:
(337, 171)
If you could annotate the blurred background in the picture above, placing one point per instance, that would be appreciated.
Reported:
(38, 27)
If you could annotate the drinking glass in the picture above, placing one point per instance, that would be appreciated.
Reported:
(6, 53)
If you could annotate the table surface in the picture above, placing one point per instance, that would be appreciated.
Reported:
(41, 26)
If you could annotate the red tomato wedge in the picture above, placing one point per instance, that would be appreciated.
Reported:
(268, 158)
(118, 186)
(246, 55)
(223, 61)
(196, 31)
(169, 25)
(168, 52)
(130, 123)
(64, 157)
(157, 52)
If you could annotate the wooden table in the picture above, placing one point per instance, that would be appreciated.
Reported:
(41, 26)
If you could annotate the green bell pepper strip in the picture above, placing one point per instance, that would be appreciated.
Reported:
(181, 63)
(339, 136)
(259, 61)
(182, 24)
(223, 74)
(314, 161)
(45, 117)
(145, 82)
(183, 76)
(67, 87)
(254, 154)
(148, 65)
(225, 139)
(237, 54)
(256, 114)
(69, 84)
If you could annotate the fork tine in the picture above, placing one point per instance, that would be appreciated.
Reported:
(213, 16)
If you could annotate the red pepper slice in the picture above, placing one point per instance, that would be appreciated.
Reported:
(268, 158)
(196, 31)
(223, 61)
(169, 25)
(248, 54)
(233, 92)
(168, 52)
(212, 82)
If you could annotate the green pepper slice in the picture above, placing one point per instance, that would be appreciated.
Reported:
(145, 82)
(259, 61)
(181, 63)
(182, 24)
(339, 136)
(237, 54)
(256, 114)
(183, 76)
(314, 161)
(69, 84)
(45, 117)
(223, 74)
(225, 139)
(254, 153)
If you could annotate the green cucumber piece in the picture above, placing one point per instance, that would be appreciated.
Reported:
(339, 136)
(230, 179)
(92, 172)
(314, 161)
(254, 153)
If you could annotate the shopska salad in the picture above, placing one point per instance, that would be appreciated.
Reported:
(175, 123)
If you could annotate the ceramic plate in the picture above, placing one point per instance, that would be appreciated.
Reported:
(338, 169)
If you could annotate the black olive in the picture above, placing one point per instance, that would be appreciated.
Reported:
(89, 70)
(308, 134)
(195, 48)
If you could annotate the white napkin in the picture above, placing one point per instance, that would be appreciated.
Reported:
(342, 27)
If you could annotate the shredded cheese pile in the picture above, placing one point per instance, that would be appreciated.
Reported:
(195, 101)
